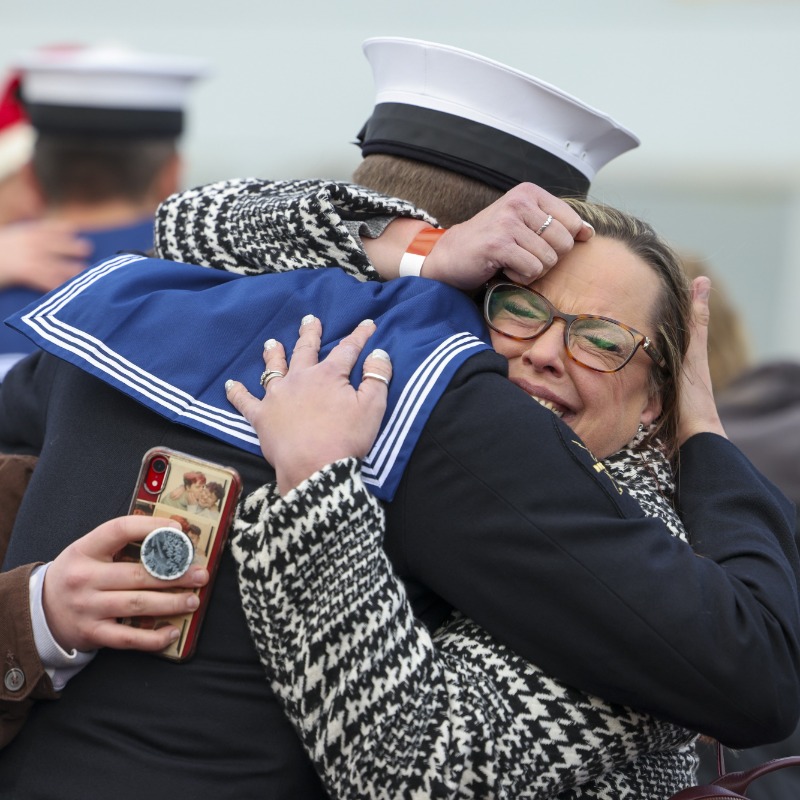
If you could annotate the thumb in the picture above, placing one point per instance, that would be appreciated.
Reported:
(701, 315)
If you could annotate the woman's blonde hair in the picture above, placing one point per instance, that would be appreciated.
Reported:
(671, 313)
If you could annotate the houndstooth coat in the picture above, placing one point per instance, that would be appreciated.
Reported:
(383, 708)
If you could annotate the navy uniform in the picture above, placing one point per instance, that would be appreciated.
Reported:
(499, 511)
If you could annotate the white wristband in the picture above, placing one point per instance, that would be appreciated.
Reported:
(411, 265)
(416, 253)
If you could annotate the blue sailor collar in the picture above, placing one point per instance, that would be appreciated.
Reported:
(170, 334)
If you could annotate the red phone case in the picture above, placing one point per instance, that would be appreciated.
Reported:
(202, 497)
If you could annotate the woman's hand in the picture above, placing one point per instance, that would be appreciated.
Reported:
(503, 237)
(522, 235)
(311, 415)
(85, 591)
(698, 411)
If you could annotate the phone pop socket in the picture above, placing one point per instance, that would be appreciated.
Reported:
(167, 553)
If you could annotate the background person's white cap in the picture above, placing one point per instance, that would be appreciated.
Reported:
(106, 90)
(475, 116)
(16, 135)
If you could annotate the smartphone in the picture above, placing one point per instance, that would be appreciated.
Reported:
(202, 497)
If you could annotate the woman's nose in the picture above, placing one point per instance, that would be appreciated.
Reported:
(547, 351)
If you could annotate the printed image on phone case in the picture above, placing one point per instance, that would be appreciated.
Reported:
(201, 497)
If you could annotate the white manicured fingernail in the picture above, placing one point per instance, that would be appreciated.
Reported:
(269, 344)
(378, 353)
(365, 322)
(587, 225)
(307, 318)
(228, 385)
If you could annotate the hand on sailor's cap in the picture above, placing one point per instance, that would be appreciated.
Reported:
(522, 235)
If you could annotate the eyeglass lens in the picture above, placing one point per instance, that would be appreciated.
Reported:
(596, 343)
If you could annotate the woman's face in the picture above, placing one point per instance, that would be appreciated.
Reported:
(601, 276)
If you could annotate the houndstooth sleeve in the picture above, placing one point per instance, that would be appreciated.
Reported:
(250, 226)
(387, 711)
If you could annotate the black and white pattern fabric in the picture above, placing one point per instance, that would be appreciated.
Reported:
(383, 709)
(252, 226)
(387, 711)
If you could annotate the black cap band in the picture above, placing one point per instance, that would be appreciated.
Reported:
(93, 121)
(470, 148)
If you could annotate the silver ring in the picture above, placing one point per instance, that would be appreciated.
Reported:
(267, 375)
(545, 225)
(377, 377)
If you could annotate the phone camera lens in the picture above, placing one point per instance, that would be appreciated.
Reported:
(159, 465)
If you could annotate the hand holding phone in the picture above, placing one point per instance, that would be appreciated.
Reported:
(84, 594)
(201, 496)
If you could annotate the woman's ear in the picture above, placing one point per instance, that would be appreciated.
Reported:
(652, 409)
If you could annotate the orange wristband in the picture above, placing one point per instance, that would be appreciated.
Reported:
(414, 257)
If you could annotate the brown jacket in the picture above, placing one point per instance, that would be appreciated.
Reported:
(24, 678)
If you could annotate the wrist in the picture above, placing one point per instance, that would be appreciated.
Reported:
(386, 251)
(418, 250)
(686, 431)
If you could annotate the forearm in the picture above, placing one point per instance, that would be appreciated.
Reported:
(580, 583)
(388, 707)
(651, 775)
(386, 250)
(24, 677)
(299, 224)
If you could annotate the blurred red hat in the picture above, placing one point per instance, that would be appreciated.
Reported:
(16, 133)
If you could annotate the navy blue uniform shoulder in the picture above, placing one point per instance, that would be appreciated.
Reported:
(503, 514)
(480, 392)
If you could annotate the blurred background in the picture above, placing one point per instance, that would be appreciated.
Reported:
(710, 87)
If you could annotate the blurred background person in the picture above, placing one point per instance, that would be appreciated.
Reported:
(18, 201)
(759, 404)
(107, 122)
(35, 254)
(758, 400)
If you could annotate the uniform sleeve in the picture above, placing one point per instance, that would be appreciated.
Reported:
(383, 708)
(509, 520)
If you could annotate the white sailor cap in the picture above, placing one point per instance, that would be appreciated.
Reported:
(475, 116)
(16, 134)
(106, 90)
